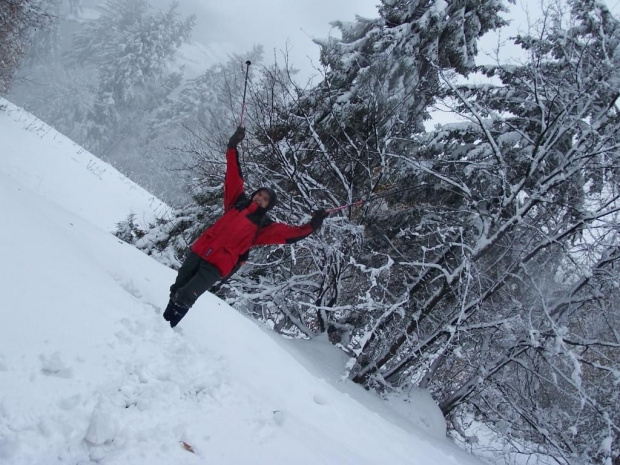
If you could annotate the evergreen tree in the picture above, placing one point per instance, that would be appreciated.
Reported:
(511, 255)
(131, 50)
(333, 144)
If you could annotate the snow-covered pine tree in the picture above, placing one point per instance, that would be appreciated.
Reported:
(131, 48)
(510, 305)
(332, 143)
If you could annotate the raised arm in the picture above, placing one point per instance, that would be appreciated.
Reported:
(280, 233)
(233, 181)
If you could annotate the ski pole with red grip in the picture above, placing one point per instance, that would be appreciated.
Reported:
(332, 210)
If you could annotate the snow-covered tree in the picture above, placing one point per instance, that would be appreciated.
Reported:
(104, 91)
(131, 49)
(511, 248)
(19, 21)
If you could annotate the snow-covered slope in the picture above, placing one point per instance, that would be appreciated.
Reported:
(91, 373)
(48, 163)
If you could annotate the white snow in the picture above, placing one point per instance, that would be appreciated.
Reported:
(91, 373)
(51, 165)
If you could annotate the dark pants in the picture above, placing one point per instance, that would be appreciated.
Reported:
(195, 277)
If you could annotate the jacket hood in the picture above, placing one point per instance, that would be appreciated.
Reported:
(273, 197)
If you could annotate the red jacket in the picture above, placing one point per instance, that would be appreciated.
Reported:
(243, 225)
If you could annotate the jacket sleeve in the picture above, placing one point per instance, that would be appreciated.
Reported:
(233, 181)
(279, 233)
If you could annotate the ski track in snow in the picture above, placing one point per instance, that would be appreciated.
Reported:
(91, 373)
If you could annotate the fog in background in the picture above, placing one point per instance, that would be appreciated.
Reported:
(235, 26)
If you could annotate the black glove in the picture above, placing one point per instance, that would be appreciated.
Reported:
(237, 137)
(317, 219)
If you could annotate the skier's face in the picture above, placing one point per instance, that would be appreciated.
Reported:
(262, 198)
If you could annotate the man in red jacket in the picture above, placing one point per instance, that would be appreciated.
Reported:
(225, 244)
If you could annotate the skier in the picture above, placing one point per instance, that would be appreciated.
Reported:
(224, 246)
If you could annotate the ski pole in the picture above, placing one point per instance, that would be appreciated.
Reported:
(245, 88)
(332, 210)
